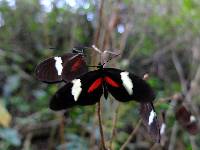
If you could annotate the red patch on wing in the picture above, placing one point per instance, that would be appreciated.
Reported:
(111, 82)
(76, 65)
(95, 85)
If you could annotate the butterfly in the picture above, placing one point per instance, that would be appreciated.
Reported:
(62, 68)
(187, 120)
(88, 88)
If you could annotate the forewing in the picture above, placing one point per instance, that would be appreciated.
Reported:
(125, 86)
(50, 70)
(81, 91)
(74, 67)
(150, 120)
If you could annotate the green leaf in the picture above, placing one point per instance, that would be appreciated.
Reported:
(164, 106)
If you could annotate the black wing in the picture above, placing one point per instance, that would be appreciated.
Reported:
(74, 67)
(56, 69)
(127, 86)
(150, 120)
(90, 92)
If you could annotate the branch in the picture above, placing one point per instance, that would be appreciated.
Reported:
(131, 135)
(114, 126)
(100, 125)
(97, 33)
(173, 137)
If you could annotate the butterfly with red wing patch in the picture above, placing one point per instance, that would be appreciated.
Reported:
(88, 89)
(59, 68)
(123, 86)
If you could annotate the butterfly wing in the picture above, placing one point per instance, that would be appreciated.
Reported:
(85, 90)
(75, 67)
(56, 69)
(150, 120)
(187, 120)
(125, 86)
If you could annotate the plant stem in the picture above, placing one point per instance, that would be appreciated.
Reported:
(100, 125)
(131, 135)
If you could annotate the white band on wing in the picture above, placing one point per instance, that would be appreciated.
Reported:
(151, 117)
(76, 88)
(127, 82)
(58, 65)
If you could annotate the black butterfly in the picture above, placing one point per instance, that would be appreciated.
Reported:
(62, 68)
(88, 88)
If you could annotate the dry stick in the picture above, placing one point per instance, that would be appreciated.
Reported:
(193, 144)
(97, 33)
(27, 142)
(173, 137)
(114, 126)
(188, 96)
(131, 135)
(179, 70)
(62, 129)
(154, 146)
(100, 125)
(52, 138)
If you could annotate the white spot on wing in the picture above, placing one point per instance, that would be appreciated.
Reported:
(127, 82)
(58, 65)
(162, 128)
(76, 88)
(151, 117)
(192, 118)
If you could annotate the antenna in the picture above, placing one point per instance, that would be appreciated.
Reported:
(111, 58)
(96, 49)
(102, 54)
(79, 49)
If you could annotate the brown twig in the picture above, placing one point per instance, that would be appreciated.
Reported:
(193, 144)
(131, 135)
(173, 137)
(155, 145)
(179, 70)
(61, 129)
(97, 33)
(27, 142)
(114, 126)
(100, 125)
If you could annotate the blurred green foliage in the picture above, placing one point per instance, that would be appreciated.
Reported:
(28, 32)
